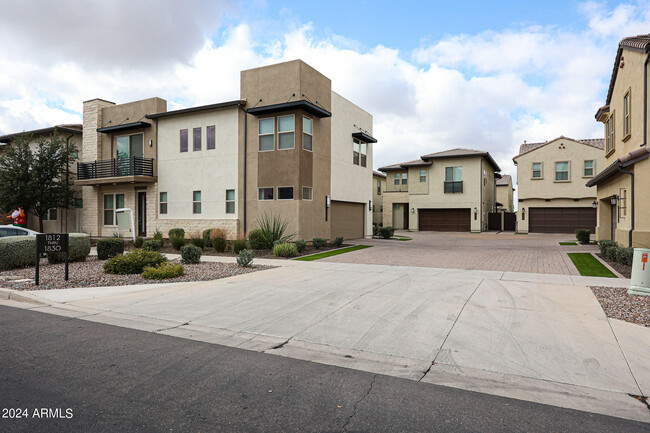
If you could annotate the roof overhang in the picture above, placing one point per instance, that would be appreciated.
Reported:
(294, 105)
(602, 113)
(124, 127)
(367, 138)
(195, 109)
(623, 162)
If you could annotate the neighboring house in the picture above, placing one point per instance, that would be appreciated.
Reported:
(505, 193)
(378, 187)
(452, 190)
(551, 187)
(56, 220)
(624, 179)
(289, 146)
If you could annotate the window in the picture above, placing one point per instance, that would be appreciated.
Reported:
(230, 201)
(622, 203)
(378, 186)
(589, 168)
(111, 204)
(286, 134)
(196, 139)
(609, 134)
(265, 194)
(183, 140)
(397, 177)
(50, 214)
(78, 203)
(404, 178)
(163, 202)
(307, 133)
(423, 175)
(537, 170)
(364, 149)
(562, 171)
(266, 134)
(196, 202)
(129, 146)
(211, 137)
(453, 179)
(307, 193)
(626, 115)
(285, 193)
(356, 148)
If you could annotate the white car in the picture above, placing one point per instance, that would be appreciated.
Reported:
(11, 230)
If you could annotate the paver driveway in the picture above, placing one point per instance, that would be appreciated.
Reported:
(537, 253)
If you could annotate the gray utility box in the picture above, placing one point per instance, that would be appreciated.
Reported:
(640, 283)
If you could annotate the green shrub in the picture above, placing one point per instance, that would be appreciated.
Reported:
(338, 242)
(625, 255)
(191, 254)
(78, 249)
(138, 242)
(163, 271)
(300, 245)
(319, 242)
(176, 233)
(133, 262)
(196, 239)
(152, 244)
(375, 229)
(177, 242)
(17, 252)
(612, 252)
(605, 245)
(583, 236)
(256, 240)
(285, 250)
(386, 232)
(218, 240)
(245, 258)
(206, 237)
(272, 228)
(238, 245)
(109, 247)
(158, 235)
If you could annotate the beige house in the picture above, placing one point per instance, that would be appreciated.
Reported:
(378, 187)
(452, 190)
(56, 220)
(624, 179)
(289, 146)
(551, 189)
(505, 193)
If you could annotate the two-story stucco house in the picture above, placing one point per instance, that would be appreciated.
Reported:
(289, 146)
(505, 193)
(551, 187)
(452, 190)
(623, 181)
(378, 187)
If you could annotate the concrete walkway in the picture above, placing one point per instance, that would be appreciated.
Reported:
(535, 337)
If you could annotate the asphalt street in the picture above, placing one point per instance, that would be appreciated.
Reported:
(94, 377)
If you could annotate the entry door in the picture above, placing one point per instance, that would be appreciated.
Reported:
(142, 214)
(614, 220)
(406, 216)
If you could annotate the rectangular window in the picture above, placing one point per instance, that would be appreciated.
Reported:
(306, 193)
(453, 179)
(163, 202)
(589, 168)
(404, 178)
(211, 136)
(50, 215)
(397, 176)
(378, 187)
(196, 202)
(356, 148)
(267, 134)
(307, 133)
(265, 194)
(230, 201)
(286, 136)
(78, 203)
(183, 140)
(609, 134)
(109, 209)
(364, 150)
(196, 140)
(537, 170)
(562, 170)
(423, 175)
(285, 193)
(626, 114)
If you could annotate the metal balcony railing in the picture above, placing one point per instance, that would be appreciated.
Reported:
(116, 167)
(451, 187)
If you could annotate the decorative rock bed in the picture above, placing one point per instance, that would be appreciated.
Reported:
(617, 304)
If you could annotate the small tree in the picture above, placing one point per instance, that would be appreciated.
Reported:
(16, 186)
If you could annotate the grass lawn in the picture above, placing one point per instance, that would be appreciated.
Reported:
(589, 266)
(568, 243)
(402, 238)
(332, 253)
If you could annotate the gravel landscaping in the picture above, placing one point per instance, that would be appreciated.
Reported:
(90, 274)
(617, 304)
(259, 254)
(624, 270)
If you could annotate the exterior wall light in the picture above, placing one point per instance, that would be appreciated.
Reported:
(370, 205)
(412, 210)
(475, 213)
(594, 204)
(613, 200)
(523, 213)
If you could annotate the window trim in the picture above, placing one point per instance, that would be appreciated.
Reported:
(311, 191)
(378, 186)
(363, 156)
(209, 128)
(114, 209)
(293, 193)
(161, 203)
(627, 115)
(405, 178)
(187, 141)
(194, 147)
(260, 134)
(541, 170)
(233, 201)
(194, 202)
(610, 134)
(568, 172)
(265, 199)
(356, 153)
(310, 134)
(584, 167)
(396, 179)
(423, 176)
(293, 131)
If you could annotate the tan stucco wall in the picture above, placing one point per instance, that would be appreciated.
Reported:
(505, 196)
(390, 199)
(378, 199)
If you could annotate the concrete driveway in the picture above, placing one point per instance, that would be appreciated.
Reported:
(530, 336)
(537, 253)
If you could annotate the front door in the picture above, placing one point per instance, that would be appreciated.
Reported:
(614, 220)
(142, 214)
(406, 216)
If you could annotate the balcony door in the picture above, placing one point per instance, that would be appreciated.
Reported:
(127, 147)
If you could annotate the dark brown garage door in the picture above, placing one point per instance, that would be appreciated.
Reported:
(561, 219)
(444, 220)
(347, 219)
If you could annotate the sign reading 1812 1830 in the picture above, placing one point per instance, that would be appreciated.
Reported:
(51, 243)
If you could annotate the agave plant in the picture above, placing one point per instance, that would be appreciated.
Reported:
(272, 228)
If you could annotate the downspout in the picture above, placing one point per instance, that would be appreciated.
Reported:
(245, 163)
(480, 200)
(620, 170)
(645, 98)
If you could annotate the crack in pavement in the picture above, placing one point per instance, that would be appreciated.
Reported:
(642, 398)
(363, 397)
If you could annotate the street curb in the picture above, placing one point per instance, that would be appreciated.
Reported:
(21, 296)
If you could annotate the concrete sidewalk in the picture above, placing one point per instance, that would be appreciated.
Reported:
(535, 337)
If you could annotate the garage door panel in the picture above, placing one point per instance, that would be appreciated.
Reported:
(444, 220)
(561, 219)
(348, 219)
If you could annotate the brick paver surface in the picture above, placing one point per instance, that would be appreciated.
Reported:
(537, 253)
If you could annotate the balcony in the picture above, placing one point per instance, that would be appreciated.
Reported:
(117, 170)
(451, 187)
